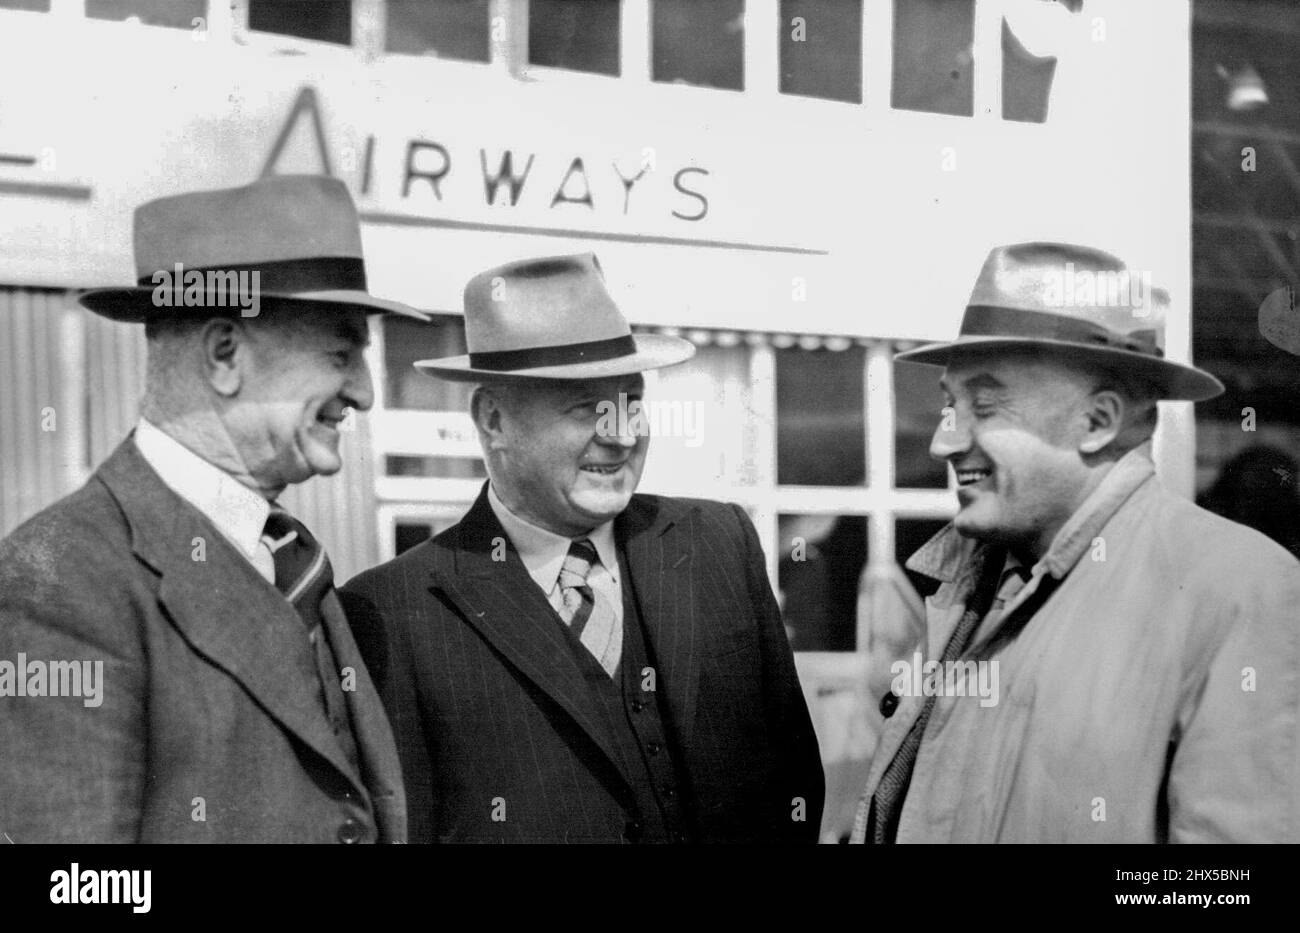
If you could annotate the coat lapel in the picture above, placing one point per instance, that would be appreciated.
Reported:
(655, 535)
(225, 610)
(375, 744)
(501, 601)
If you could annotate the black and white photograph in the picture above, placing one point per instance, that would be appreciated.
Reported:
(626, 422)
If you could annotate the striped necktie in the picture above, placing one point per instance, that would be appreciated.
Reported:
(302, 571)
(587, 612)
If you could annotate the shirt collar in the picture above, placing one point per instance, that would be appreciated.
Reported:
(543, 551)
(238, 512)
(945, 555)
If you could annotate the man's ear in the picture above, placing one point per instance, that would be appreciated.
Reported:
(225, 354)
(486, 410)
(1104, 411)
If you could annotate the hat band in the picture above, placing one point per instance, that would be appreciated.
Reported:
(565, 354)
(314, 274)
(993, 321)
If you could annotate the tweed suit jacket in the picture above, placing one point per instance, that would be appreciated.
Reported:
(209, 729)
(499, 735)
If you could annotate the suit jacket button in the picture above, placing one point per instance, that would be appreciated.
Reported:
(350, 832)
(654, 748)
(888, 703)
(638, 705)
(632, 832)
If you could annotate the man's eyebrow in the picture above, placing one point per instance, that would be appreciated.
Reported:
(983, 381)
(354, 335)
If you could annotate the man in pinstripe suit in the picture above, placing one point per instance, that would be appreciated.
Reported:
(574, 662)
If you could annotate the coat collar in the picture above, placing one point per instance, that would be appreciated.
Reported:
(201, 573)
(496, 595)
(949, 557)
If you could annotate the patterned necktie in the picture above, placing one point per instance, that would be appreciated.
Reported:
(887, 801)
(302, 571)
(587, 612)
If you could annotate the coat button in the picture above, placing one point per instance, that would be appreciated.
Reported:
(888, 703)
(638, 706)
(669, 793)
(632, 832)
(350, 832)
(654, 748)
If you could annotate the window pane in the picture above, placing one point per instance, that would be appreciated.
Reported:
(407, 340)
(822, 55)
(435, 467)
(822, 557)
(932, 56)
(820, 417)
(699, 420)
(918, 403)
(455, 29)
(699, 43)
(1026, 80)
(177, 13)
(322, 20)
(408, 532)
(32, 6)
(910, 534)
(580, 35)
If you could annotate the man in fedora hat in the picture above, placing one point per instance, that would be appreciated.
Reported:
(574, 661)
(1146, 650)
(230, 702)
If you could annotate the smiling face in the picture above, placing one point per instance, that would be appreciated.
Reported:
(297, 381)
(1013, 437)
(550, 454)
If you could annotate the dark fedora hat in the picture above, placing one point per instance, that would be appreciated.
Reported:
(550, 318)
(296, 238)
(1077, 301)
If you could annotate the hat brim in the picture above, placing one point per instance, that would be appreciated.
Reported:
(653, 351)
(135, 305)
(1175, 381)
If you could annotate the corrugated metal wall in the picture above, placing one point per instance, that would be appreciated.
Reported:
(41, 417)
(70, 387)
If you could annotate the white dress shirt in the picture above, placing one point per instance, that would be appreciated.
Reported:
(543, 554)
(238, 512)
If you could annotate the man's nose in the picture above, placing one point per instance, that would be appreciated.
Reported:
(951, 437)
(359, 390)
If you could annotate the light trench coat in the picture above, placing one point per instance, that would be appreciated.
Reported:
(1154, 696)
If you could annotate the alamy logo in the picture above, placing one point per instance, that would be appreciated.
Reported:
(35, 678)
(208, 288)
(950, 679)
(1102, 289)
(78, 886)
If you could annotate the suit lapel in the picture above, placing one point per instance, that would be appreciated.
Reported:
(501, 601)
(225, 610)
(657, 542)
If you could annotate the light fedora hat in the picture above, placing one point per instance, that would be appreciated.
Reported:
(1075, 301)
(550, 318)
(299, 233)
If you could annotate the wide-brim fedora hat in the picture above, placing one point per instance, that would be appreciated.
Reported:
(550, 318)
(197, 252)
(1072, 301)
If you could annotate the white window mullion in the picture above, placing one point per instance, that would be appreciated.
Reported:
(877, 54)
(762, 47)
(762, 383)
(508, 35)
(635, 49)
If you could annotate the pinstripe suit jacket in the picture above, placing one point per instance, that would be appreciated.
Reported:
(499, 736)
